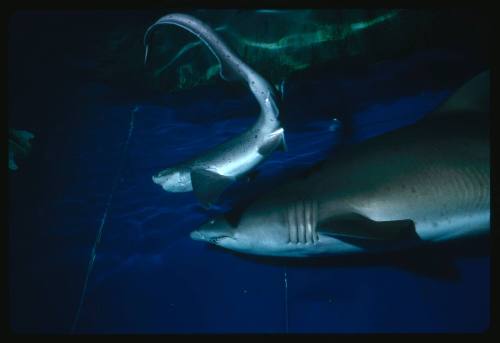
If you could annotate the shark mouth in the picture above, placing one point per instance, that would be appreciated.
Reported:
(215, 240)
(200, 236)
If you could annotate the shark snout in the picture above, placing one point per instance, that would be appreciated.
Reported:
(215, 231)
(197, 236)
(161, 176)
(157, 179)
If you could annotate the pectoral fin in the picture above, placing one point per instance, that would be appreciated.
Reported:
(275, 140)
(208, 185)
(362, 231)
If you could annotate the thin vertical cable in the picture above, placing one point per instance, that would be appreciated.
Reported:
(286, 302)
(103, 221)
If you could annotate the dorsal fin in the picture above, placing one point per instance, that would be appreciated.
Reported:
(473, 96)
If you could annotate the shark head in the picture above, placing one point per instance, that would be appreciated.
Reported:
(262, 233)
(290, 228)
(217, 231)
(174, 180)
(245, 238)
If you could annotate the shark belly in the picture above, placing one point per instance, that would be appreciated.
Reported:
(239, 155)
(238, 165)
(454, 227)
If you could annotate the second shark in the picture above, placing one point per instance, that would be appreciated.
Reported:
(211, 173)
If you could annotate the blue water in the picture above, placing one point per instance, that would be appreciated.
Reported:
(96, 147)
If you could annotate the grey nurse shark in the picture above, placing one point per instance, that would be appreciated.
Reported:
(427, 182)
(211, 173)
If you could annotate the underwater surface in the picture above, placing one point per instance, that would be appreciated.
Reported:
(98, 141)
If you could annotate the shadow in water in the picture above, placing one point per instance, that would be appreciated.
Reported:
(436, 261)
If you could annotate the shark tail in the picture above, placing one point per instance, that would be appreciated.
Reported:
(232, 68)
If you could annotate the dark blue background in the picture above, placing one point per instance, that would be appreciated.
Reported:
(97, 145)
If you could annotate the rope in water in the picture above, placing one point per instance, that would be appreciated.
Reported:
(103, 221)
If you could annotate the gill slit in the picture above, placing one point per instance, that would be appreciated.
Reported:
(301, 220)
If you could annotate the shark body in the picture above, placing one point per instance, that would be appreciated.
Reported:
(427, 182)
